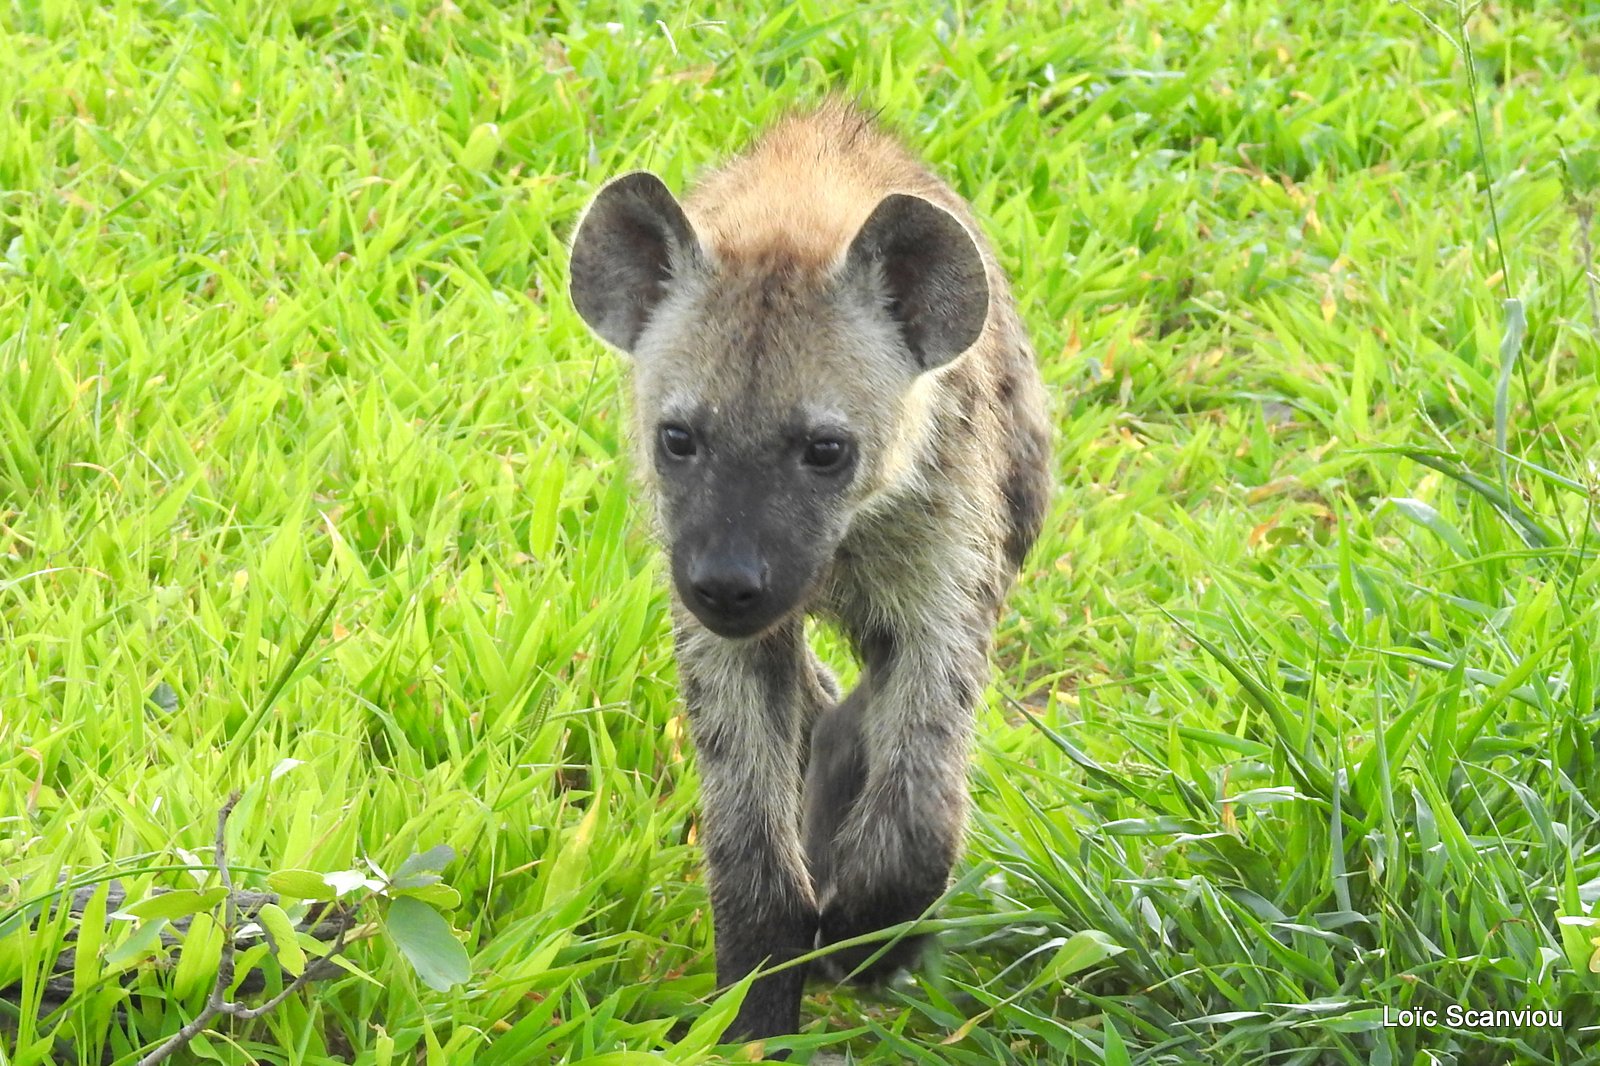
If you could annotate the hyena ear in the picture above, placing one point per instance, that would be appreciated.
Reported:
(924, 264)
(632, 241)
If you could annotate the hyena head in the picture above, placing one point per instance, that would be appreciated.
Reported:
(778, 393)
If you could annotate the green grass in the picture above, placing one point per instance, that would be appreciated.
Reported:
(1296, 703)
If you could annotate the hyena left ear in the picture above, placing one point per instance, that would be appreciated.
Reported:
(631, 243)
(924, 263)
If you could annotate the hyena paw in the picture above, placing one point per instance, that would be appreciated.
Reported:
(845, 919)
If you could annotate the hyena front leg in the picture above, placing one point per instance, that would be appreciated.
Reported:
(748, 702)
(886, 810)
(836, 767)
(835, 774)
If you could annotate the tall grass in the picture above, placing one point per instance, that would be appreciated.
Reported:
(1295, 713)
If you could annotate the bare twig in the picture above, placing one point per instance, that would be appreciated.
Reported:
(312, 971)
(217, 1003)
(230, 909)
(1585, 215)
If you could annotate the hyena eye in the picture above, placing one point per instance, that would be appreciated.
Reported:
(677, 441)
(826, 453)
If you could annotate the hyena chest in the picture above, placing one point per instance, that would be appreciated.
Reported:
(907, 570)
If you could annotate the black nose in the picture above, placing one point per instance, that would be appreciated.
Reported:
(729, 587)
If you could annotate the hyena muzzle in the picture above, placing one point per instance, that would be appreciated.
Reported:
(838, 414)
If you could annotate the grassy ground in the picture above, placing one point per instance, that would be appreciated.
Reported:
(1309, 666)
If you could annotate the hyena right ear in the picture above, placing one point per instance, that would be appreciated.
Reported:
(631, 242)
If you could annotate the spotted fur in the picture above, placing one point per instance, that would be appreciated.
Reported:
(825, 286)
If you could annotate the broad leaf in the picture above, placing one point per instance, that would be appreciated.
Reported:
(428, 943)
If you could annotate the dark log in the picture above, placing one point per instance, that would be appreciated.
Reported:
(324, 922)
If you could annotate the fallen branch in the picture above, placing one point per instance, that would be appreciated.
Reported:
(218, 1003)
(324, 923)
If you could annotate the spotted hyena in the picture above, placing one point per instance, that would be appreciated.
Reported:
(837, 413)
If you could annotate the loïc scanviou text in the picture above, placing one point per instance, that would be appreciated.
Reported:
(1456, 1016)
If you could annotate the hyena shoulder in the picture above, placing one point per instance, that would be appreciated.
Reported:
(804, 188)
